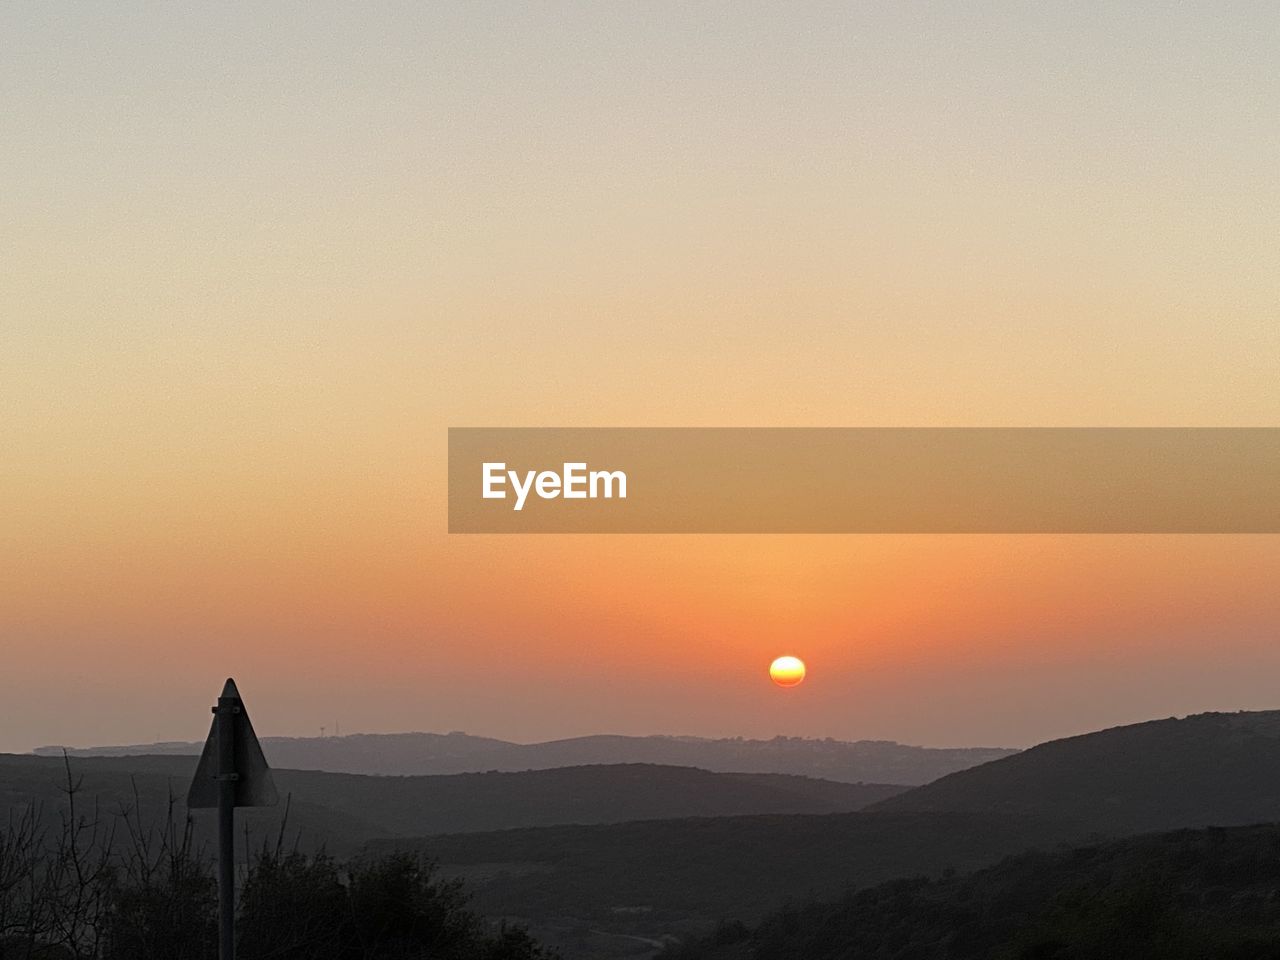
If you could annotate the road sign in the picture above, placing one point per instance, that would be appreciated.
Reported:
(232, 773)
(251, 775)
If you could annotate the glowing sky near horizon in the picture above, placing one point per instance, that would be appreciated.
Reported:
(257, 260)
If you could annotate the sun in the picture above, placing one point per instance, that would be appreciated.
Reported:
(787, 671)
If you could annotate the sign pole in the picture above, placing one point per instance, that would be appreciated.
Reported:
(232, 772)
(227, 712)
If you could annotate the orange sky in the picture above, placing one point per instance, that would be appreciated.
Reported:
(257, 264)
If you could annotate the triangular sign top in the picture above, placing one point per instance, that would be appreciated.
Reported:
(253, 784)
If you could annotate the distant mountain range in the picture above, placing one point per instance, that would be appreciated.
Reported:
(405, 754)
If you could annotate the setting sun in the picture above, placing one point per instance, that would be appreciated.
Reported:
(787, 671)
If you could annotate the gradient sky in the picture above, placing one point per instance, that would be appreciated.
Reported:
(256, 260)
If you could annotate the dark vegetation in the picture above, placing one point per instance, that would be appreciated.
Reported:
(110, 885)
(1189, 895)
(870, 761)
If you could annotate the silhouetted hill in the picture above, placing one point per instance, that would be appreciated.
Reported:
(347, 809)
(1188, 895)
(586, 889)
(601, 888)
(863, 761)
(1214, 769)
(650, 880)
(587, 794)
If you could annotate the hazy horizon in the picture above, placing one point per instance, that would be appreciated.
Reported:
(464, 733)
(525, 741)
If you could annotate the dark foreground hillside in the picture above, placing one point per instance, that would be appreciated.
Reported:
(1192, 895)
(342, 811)
(1215, 769)
(617, 890)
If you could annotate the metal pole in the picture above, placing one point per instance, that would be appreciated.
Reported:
(226, 711)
